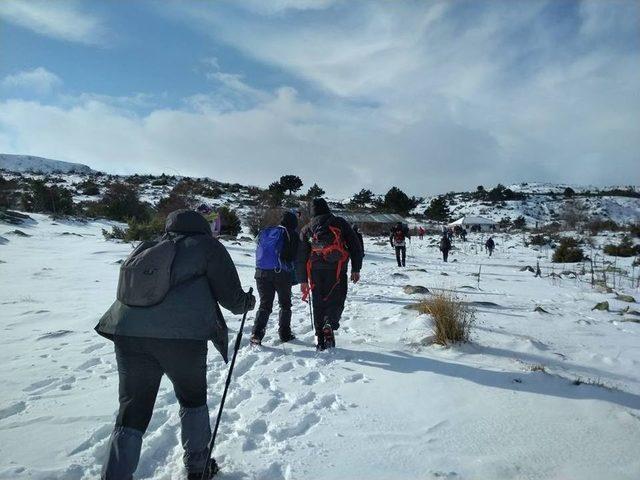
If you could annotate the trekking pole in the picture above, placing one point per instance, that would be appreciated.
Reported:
(313, 325)
(205, 472)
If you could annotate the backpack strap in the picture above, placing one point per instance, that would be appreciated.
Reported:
(336, 246)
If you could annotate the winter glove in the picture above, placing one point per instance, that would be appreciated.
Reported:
(355, 277)
(251, 302)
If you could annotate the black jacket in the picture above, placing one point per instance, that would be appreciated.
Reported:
(203, 275)
(348, 235)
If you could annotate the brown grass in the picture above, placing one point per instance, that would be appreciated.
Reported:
(452, 319)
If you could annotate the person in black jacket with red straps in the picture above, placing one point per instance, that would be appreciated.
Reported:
(327, 244)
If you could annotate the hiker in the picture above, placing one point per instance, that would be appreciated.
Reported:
(398, 237)
(490, 245)
(445, 246)
(275, 274)
(421, 232)
(327, 243)
(463, 234)
(356, 230)
(159, 325)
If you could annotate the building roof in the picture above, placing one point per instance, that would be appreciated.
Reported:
(364, 217)
(472, 221)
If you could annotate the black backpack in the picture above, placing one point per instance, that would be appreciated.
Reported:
(145, 276)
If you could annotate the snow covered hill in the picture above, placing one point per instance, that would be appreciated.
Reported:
(535, 395)
(546, 202)
(28, 163)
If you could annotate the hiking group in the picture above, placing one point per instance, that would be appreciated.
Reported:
(168, 307)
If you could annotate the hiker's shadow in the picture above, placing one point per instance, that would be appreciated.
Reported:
(532, 382)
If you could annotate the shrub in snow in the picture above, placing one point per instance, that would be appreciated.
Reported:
(625, 248)
(120, 202)
(39, 197)
(452, 319)
(230, 222)
(568, 251)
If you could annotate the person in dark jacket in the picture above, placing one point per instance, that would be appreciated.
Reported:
(357, 232)
(171, 338)
(270, 282)
(327, 244)
(398, 240)
(445, 246)
(490, 245)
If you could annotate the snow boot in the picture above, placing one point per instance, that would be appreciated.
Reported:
(195, 434)
(255, 340)
(329, 338)
(213, 469)
(284, 326)
(124, 453)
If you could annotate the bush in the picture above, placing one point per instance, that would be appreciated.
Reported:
(539, 240)
(120, 202)
(568, 251)
(625, 248)
(8, 192)
(520, 223)
(172, 203)
(189, 187)
(262, 218)
(41, 198)
(229, 221)
(137, 230)
(596, 226)
(452, 319)
(634, 230)
(88, 187)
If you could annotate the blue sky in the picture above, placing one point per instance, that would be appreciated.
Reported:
(428, 96)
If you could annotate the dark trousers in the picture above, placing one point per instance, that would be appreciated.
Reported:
(401, 255)
(445, 254)
(268, 287)
(328, 298)
(141, 364)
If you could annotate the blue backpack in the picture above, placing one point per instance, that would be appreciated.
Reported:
(270, 243)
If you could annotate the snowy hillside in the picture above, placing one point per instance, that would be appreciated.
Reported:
(28, 163)
(535, 395)
(545, 202)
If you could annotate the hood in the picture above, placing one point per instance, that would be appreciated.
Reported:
(289, 221)
(355, 227)
(187, 221)
(319, 207)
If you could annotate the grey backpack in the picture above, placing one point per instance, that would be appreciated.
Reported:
(145, 276)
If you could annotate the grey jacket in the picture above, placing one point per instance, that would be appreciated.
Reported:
(203, 276)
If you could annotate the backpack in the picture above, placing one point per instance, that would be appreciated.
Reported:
(269, 250)
(327, 244)
(398, 236)
(445, 243)
(145, 276)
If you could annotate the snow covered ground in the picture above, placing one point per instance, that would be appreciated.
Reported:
(384, 405)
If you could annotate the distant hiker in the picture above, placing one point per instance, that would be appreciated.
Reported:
(167, 309)
(463, 234)
(421, 232)
(398, 238)
(445, 246)
(216, 223)
(275, 272)
(356, 230)
(490, 245)
(327, 243)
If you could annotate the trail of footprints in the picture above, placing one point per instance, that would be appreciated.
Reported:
(261, 415)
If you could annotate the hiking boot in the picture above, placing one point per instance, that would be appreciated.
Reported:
(287, 337)
(255, 340)
(329, 339)
(213, 469)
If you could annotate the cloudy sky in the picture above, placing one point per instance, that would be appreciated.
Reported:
(429, 96)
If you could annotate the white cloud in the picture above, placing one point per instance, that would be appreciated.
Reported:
(39, 80)
(61, 19)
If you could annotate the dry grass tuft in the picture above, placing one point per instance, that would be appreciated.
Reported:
(452, 319)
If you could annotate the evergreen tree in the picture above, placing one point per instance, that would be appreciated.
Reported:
(291, 183)
(315, 191)
(438, 210)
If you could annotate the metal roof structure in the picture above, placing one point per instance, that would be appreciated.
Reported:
(472, 221)
(364, 217)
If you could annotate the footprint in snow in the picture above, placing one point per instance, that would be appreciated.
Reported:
(93, 348)
(297, 429)
(285, 367)
(356, 377)
(312, 378)
(303, 400)
(92, 362)
(12, 410)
